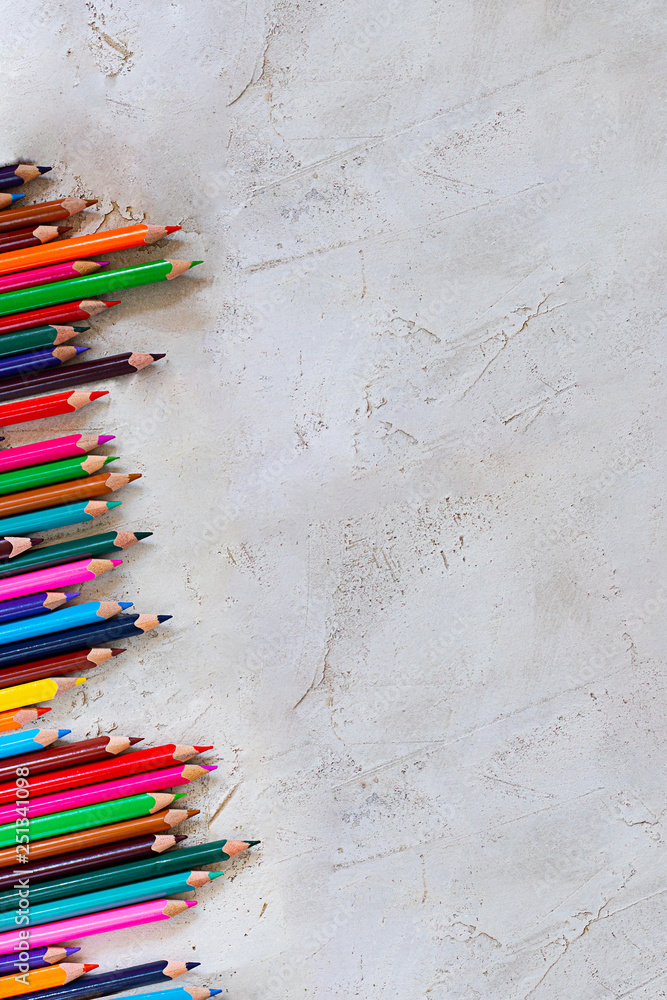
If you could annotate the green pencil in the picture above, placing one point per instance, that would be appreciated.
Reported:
(90, 546)
(52, 472)
(55, 517)
(90, 285)
(86, 817)
(135, 871)
(108, 899)
(39, 336)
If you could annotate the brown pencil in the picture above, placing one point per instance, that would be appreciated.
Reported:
(46, 211)
(57, 493)
(54, 666)
(33, 236)
(10, 547)
(160, 822)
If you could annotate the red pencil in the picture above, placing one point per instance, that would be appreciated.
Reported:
(20, 411)
(68, 312)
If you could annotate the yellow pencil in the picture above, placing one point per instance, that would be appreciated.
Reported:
(34, 691)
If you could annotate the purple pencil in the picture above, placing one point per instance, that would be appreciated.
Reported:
(33, 604)
(36, 958)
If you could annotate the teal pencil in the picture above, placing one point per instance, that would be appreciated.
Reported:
(55, 517)
(109, 899)
(12, 744)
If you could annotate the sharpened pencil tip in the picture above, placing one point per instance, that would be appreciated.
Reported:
(80, 681)
(172, 229)
(202, 749)
(158, 357)
(90, 201)
(133, 739)
(42, 711)
(214, 993)
(88, 967)
(192, 965)
(80, 350)
(97, 393)
(110, 304)
(209, 767)
(71, 950)
(164, 618)
(111, 458)
(70, 597)
(178, 837)
(125, 604)
(252, 843)
(115, 652)
(213, 875)
(193, 263)
(63, 732)
(113, 503)
(116, 562)
(190, 903)
(142, 534)
(179, 795)
(103, 438)
(45, 170)
(134, 475)
(17, 197)
(80, 329)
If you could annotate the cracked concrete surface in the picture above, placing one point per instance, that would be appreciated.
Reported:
(405, 470)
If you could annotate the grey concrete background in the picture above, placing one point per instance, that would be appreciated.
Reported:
(404, 468)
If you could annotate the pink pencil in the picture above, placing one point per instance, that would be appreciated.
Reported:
(51, 451)
(93, 923)
(105, 792)
(45, 275)
(55, 576)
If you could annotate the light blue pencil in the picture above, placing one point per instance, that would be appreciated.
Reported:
(55, 517)
(59, 621)
(13, 744)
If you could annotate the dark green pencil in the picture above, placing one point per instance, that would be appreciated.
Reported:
(70, 551)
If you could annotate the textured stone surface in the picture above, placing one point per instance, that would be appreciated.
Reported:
(404, 468)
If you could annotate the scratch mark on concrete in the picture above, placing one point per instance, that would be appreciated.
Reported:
(222, 805)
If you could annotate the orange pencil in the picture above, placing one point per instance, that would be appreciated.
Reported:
(105, 241)
(42, 979)
(18, 717)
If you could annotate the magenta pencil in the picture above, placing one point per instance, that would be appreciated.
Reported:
(54, 577)
(106, 791)
(51, 451)
(93, 923)
(45, 275)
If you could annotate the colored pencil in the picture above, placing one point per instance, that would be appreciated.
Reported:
(98, 923)
(36, 338)
(63, 470)
(46, 211)
(11, 547)
(21, 717)
(179, 993)
(121, 627)
(38, 361)
(34, 604)
(69, 756)
(105, 241)
(55, 666)
(80, 771)
(47, 406)
(90, 285)
(35, 958)
(131, 978)
(57, 517)
(51, 451)
(47, 275)
(107, 542)
(92, 858)
(22, 173)
(8, 199)
(44, 690)
(42, 979)
(88, 371)
(153, 781)
(88, 817)
(59, 621)
(163, 865)
(70, 312)
(55, 576)
(30, 238)
(67, 492)
(29, 740)
(160, 822)
(108, 899)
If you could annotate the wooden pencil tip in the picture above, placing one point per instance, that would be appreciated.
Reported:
(172, 229)
(90, 201)
(98, 393)
(133, 739)
(115, 652)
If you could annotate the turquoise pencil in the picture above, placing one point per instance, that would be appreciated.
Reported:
(55, 517)
(109, 899)
(58, 621)
(29, 740)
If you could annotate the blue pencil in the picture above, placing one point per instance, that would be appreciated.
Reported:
(59, 621)
(36, 361)
(12, 744)
(33, 604)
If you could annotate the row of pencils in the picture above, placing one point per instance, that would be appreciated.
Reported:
(88, 840)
